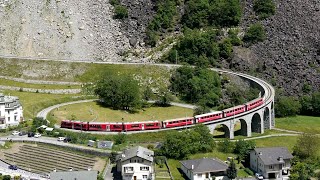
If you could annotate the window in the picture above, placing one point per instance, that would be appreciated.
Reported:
(144, 176)
(199, 175)
(144, 168)
(271, 167)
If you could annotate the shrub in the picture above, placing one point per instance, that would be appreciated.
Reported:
(255, 33)
(264, 8)
(120, 11)
(225, 48)
(287, 106)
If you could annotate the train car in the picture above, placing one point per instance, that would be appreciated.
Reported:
(234, 111)
(149, 125)
(115, 127)
(178, 122)
(66, 124)
(133, 126)
(98, 126)
(254, 103)
(78, 125)
(208, 117)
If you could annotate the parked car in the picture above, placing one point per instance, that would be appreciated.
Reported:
(22, 133)
(13, 167)
(30, 134)
(259, 176)
(61, 138)
(67, 139)
(37, 135)
(15, 133)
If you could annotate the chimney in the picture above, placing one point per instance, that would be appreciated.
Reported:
(192, 166)
(260, 153)
(280, 159)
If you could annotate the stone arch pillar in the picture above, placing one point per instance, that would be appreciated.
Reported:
(266, 118)
(257, 123)
(272, 115)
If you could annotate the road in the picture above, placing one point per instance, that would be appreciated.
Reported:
(24, 174)
(53, 141)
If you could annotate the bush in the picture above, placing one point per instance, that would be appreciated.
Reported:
(264, 8)
(287, 106)
(120, 11)
(120, 138)
(255, 33)
(225, 48)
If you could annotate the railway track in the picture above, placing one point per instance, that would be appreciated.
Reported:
(267, 94)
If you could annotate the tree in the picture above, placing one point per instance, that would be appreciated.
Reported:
(225, 48)
(164, 98)
(316, 103)
(196, 85)
(287, 106)
(206, 142)
(243, 148)
(300, 171)
(226, 146)
(120, 138)
(264, 8)
(232, 170)
(175, 145)
(119, 92)
(255, 33)
(307, 146)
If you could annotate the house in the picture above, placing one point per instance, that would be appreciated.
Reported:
(136, 164)
(11, 112)
(74, 175)
(271, 162)
(204, 169)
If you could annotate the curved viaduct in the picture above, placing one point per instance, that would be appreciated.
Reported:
(255, 120)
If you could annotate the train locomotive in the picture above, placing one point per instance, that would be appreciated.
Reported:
(166, 124)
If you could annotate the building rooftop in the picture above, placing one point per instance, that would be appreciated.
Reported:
(273, 155)
(204, 165)
(136, 151)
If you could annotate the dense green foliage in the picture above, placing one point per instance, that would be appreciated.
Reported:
(287, 106)
(254, 34)
(218, 13)
(196, 47)
(307, 146)
(119, 92)
(310, 104)
(164, 19)
(305, 105)
(226, 146)
(120, 138)
(179, 145)
(232, 170)
(243, 148)
(196, 85)
(264, 8)
(120, 11)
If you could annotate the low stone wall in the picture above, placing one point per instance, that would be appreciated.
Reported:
(30, 81)
(48, 91)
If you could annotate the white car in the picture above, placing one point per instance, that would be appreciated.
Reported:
(60, 138)
(37, 135)
(259, 176)
(15, 133)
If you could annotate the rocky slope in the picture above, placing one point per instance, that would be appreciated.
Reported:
(290, 57)
(67, 29)
(84, 29)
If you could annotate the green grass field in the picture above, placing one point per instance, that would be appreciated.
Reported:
(308, 124)
(7, 82)
(92, 111)
(32, 103)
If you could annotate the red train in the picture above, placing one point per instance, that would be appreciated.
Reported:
(151, 125)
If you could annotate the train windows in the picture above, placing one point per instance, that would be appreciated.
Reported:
(117, 126)
(150, 124)
(135, 125)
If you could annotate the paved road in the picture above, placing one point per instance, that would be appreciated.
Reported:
(24, 174)
(53, 141)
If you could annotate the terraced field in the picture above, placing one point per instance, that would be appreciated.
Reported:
(42, 159)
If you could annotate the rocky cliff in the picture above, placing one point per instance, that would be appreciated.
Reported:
(290, 57)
